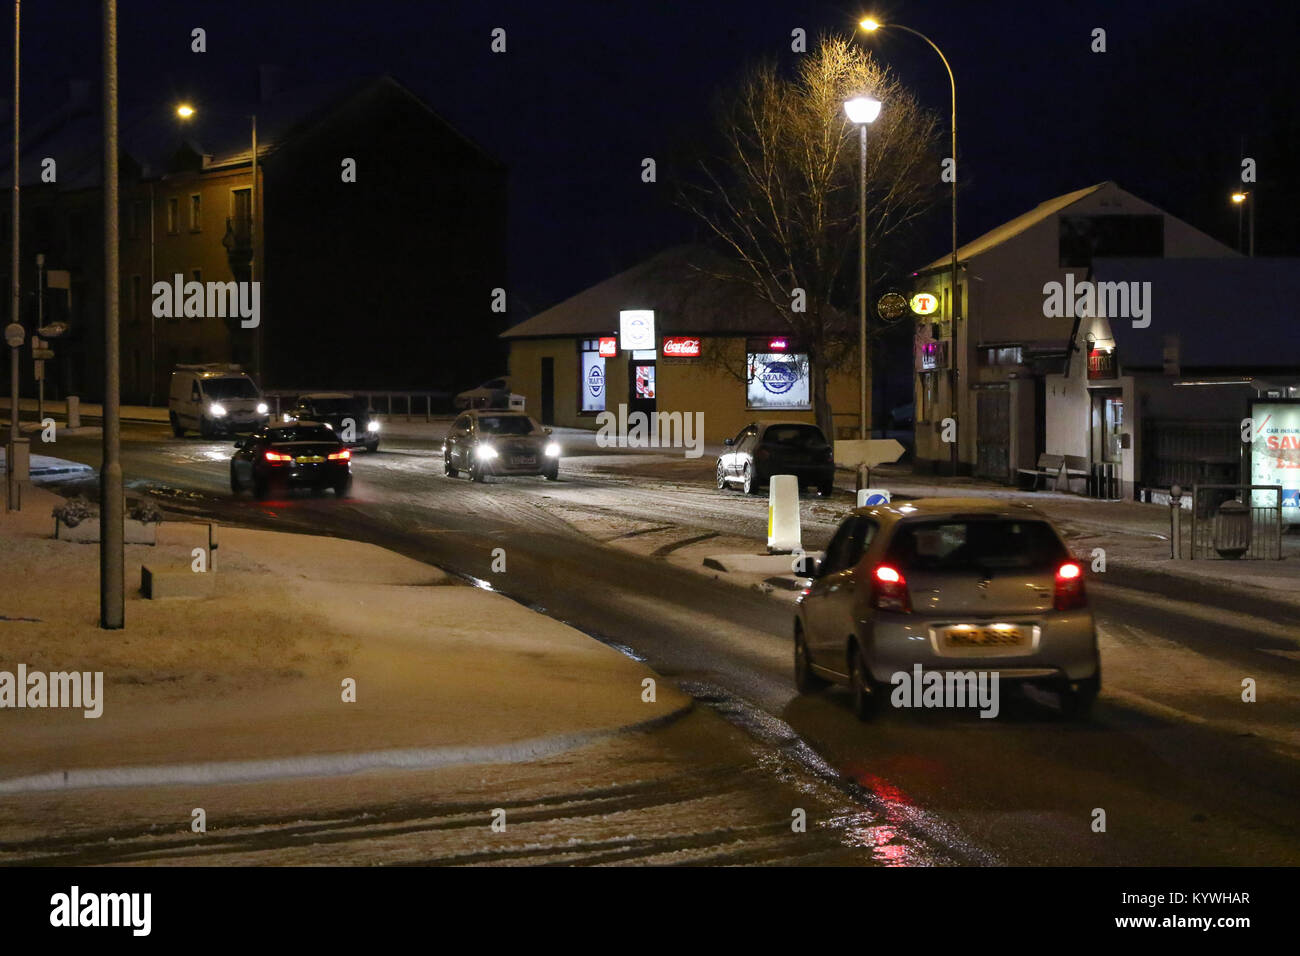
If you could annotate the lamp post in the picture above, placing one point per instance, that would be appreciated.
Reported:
(870, 25)
(14, 316)
(112, 503)
(1246, 198)
(862, 110)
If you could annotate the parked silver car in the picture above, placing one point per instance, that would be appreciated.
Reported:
(483, 442)
(953, 585)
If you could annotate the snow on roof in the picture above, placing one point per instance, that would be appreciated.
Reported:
(1013, 228)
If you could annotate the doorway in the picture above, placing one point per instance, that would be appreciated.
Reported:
(641, 386)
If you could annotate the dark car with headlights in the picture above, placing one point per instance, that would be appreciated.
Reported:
(483, 443)
(347, 414)
(299, 454)
(764, 449)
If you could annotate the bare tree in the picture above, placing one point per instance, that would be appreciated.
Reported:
(780, 195)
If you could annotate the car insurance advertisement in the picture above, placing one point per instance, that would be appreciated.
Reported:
(1275, 455)
(778, 380)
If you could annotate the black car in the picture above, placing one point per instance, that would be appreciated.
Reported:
(764, 449)
(298, 454)
(347, 414)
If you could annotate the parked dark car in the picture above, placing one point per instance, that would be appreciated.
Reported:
(764, 449)
(344, 412)
(483, 443)
(294, 455)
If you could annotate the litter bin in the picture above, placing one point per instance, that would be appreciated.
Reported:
(1232, 529)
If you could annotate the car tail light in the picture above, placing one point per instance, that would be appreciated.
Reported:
(889, 590)
(343, 455)
(276, 456)
(1069, 587)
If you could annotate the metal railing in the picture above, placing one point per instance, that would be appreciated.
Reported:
(1235, 521)
(377, 401)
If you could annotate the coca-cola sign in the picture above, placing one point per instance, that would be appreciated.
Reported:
(681, 346)
(608, 346)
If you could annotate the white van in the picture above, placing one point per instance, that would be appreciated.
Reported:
(213, 400)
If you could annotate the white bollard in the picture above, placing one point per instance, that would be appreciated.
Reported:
(783, 534)
(872, 496)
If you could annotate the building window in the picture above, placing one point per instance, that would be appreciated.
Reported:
(173, 216)
(196, 211)
(1001, 355)
(1082, 238)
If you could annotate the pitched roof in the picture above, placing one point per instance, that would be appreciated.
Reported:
(677, 285)
(1009, 230)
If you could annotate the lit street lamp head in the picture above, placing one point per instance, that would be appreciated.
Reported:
(870, 25)
(862, 109)
(1238, 197)
(185, 111)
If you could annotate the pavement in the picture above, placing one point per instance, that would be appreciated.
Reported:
(247, 684)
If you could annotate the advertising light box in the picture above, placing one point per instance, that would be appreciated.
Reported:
(1275, 455)
(609, 346)
(636, 329)
(593, 382)
(778, 380)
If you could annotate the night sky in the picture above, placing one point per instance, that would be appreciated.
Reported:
(587, 89)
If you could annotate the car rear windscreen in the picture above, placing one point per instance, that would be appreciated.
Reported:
(331, 406)
(505, 424)
(228, 388)
(986, 545)
(302, 433)
(794, 436)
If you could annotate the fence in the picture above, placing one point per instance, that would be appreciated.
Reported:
(1242, 521)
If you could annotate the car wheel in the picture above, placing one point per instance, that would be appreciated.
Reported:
(476, 472)
(235, 487)
(177, 428)
(864, 698)
(722, 477)
(343, 489)
(447, 468)
(261, 488)
(205, 428)
(825, 491)
(805, 681)
(553, 474)
(1077, 698)
(747, 483)
(372, 446)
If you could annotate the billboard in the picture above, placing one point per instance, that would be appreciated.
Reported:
(592, 385)
(1275, 455)
(778, 380)
(682, 346)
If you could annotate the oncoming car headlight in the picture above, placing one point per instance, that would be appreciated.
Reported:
(216, 410)
(372, 427)
(262, 408)
(553, 450)
(486, 452)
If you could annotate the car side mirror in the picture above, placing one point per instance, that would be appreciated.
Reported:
(546, 431)
(728, 442)
(240, 443)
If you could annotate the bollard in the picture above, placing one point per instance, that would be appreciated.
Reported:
(1175, 522)
(74, 411)
(783, 532)
(212, 546)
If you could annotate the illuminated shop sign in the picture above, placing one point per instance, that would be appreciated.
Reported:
(681, 346)
(1101, 363)
(608, 346)
(592, 384)
(924, 303)
(778, 380)
(1275, 455)
(636, 329)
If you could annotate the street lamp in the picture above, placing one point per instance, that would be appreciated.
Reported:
(870, 25)
(1245, 198)
(862, 110)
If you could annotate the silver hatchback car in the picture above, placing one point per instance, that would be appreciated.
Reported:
(949, 585)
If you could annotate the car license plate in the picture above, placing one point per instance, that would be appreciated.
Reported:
(309, 459)
(523, 459)
(983, 635)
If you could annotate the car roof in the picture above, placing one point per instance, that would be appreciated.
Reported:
(326, 395)
(496, 412)
(931, 508)
(784, 421)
